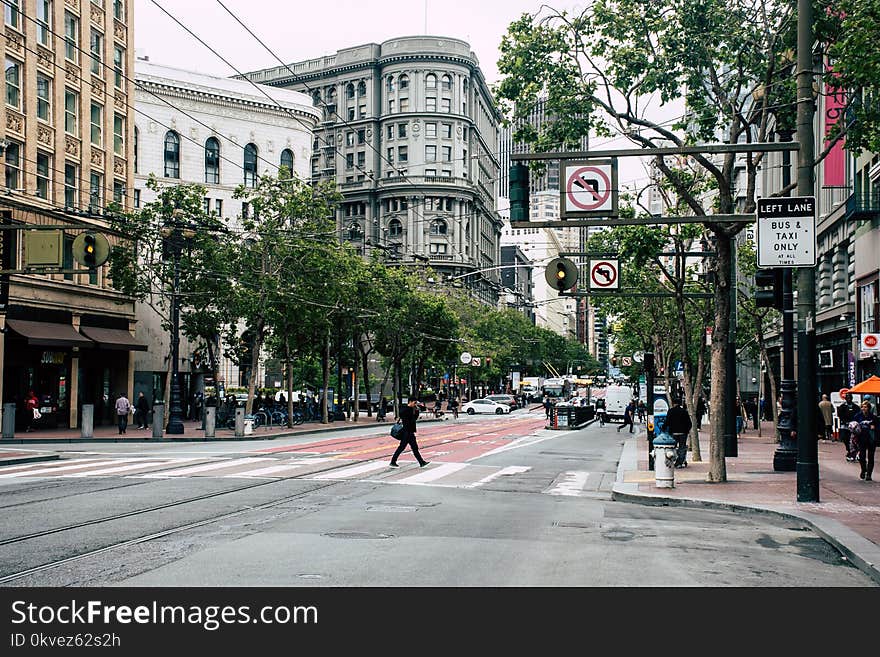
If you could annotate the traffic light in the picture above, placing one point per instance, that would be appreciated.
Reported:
(771, 298)
(614, 361)
(648, 361)
(519, 192)
(561, 274)
(90, 251)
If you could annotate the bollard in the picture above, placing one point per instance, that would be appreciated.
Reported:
(664, 454)
(239, 422)
(248, 425)
(210, 421)
(8, 421)
(158, 419)
(87, 421)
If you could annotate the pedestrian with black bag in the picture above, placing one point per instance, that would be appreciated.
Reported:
(678, 424)
(408, 416)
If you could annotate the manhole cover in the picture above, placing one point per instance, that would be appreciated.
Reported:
(360, 535)
(618, 535)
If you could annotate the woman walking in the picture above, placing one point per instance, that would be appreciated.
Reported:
(408, 416)
(867, 439)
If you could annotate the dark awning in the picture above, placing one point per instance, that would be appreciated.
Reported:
(48, 334)
(112, 338)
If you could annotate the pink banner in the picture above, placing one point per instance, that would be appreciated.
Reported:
(833, 168)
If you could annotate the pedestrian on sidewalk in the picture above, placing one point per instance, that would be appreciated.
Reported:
(628, 416)
(739, 416)
(846, 412)
(867, 439)
(678, 424)
(123, 408)
(701, 410)
(141, 410)
(547, 406)
(31, 411)
(826, 410)
(408, 416)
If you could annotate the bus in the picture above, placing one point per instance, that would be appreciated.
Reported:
(557, 388)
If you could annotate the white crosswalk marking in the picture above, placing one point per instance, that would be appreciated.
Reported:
(353, 471)
(509, 470)
(433, 474)
(205, 467)
(569, 483)
(61, 468)
(143, 465)
(291, 466)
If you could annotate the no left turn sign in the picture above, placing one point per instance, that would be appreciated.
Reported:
(604, 275)
(590, 188)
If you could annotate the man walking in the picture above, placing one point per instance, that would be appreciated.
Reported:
(846, 412)
(408, 416)
(123, 408)
(826, 410)
(678, 424)
(141, 410)
(628, 415)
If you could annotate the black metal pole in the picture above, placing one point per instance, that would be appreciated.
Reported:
(808, 446)
(649, 402)
(175, 416)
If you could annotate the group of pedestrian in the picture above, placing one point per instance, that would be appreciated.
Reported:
(858, 432)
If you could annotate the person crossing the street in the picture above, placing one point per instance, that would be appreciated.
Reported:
(408, 416)
(628, 415)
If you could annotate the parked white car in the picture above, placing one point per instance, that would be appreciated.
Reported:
(485, 406)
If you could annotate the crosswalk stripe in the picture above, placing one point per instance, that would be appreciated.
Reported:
(571, 483)
(205, 467)
(509, 470)
(60, 468)
(353, 471)
(43, 464)
(148, 463)
(291, 466)
(433, 474)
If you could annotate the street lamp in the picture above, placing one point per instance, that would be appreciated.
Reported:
(175, 234)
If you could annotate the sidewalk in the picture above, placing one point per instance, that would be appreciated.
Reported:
(847, 514)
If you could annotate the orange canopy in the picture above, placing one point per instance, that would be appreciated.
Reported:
(870, 387)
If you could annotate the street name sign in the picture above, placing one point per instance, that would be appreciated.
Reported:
(589, 188)
(787, 232)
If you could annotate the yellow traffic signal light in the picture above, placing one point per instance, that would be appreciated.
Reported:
(89, 250)
(561, 274)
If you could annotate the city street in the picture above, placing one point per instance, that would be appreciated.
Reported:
(503, 502)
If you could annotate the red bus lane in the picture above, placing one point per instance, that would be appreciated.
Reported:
(456, 442)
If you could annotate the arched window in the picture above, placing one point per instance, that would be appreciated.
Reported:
(395, 228)
(464, 86)
(430, 81)
(403, 81)
(316, 96)
(172, 155)
(446, 83)
(349, 90)
(287, 159)
(438, 227)
(390, 83)
(331, 95)
(250, 166)
(212, 161)
(136, 134)
(362, 88)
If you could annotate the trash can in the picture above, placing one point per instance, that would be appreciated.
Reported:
(664, 460)
(248, 425)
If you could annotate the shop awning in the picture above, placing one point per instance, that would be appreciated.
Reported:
(112, 338)
(48, 334)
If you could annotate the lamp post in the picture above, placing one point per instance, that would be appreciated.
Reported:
(174, 235)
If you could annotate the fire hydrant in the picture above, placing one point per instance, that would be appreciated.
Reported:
(664, 460)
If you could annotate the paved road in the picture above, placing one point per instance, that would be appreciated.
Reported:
(504, 502)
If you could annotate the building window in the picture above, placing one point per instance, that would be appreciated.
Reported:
(362, 136)
(97, 122)
(430, 153)
(349, 90)
(445, 105)
(119, 192)
(137, 198)
(44, 22)
(250, 166)
(391, 106)
(135, 149)
(395, 228)
(218, 206)
(446, 172)
(13, 83)
(362, 111)
(868, 302)
(245, 210)
(446, 83)
(349, 160)
(96, 191)
(430, 81)
(401, 130)
(13, 12)
(402, 153)
(172, 155)
(44, 98)
(349, 138)
(446, 153)
(206, 205)
(71, 37)
(71, 176)
(119, 134)
(390, 155)
(119, 10)
(404, 104)
(287, 159)
(430, 173)
(362, 88)
(438, 248)
(403, 81)
(212, 161)
(97, 51)
(438, 227)
(13, 165)
(362, 159)
(71, 112)
(118, 67)
(390, 83)
(43, 175)
(389, 131)
(351, 113)
(430, 130)
(446, 131)
(430, 104)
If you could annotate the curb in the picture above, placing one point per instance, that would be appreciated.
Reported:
(15, 460)
(859, 551)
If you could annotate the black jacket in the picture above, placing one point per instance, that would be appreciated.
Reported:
(143, 404)
(847, 411)
(408, 416)
(678, 420)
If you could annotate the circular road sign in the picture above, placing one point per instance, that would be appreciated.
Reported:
(588, 188)
(465, 357)
(870, 341)
(639, 356)
(603, 274)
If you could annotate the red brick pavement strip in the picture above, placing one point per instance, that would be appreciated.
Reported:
(847, 514)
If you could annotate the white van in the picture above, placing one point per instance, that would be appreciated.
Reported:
(616, 400)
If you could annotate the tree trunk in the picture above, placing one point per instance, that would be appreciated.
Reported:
(325, 366)
(289, 365)
(718, 398)
(365, 368)
(256, 345)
